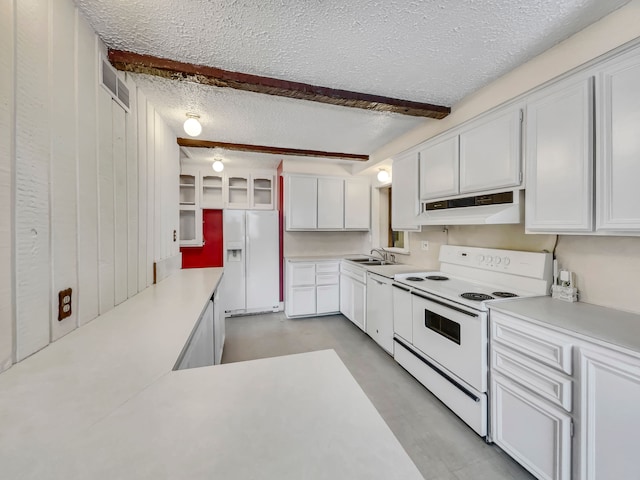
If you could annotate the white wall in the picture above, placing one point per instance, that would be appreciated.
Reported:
(84, 168)
(606, 267)
(6, 190)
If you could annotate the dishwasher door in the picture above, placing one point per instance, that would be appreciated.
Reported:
(380, 310)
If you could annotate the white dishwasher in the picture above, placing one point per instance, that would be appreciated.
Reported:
(380, 310)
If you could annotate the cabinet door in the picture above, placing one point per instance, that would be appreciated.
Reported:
(357, 205)
(405, 201)
(190, 226)
(609, 422)
(439, 163)
(359, 305)
(331, 203)
(559, 153)
(328, 298)
(238, 192)
(346, 296)
(534, 433)
(302, 203)
(402, 314)
(262, 192)
(490, 153)
(212, 191)
(618, 165)
(302, 301)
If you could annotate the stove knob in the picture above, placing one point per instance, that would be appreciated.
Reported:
(480, 258)
(498, 260)
(489, 259)
(507, 261)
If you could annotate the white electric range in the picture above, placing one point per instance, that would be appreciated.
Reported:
(440, 320)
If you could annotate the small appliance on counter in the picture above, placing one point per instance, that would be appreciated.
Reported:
(564, 284)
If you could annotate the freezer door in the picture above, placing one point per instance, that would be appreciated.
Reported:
(262, 272)
(234, 297)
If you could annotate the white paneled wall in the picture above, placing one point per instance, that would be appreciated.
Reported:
(6, 175)
(95, 186)
(64, 233)
(87, 165)
(32, 187)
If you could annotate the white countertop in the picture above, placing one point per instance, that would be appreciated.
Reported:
(60, 391)
(293, 417)
(593, 322)
(385, 270)
(104, 403)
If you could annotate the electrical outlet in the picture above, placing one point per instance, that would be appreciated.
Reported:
(64, 304)
(424, 245)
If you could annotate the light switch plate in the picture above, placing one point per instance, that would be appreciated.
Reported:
(424, 245)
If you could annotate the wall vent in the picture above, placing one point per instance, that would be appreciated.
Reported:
(113, 84)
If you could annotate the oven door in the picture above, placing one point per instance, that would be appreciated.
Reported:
(453, 336)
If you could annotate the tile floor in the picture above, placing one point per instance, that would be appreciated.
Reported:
(440, 444)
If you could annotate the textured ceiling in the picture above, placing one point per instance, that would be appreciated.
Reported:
(421, 50)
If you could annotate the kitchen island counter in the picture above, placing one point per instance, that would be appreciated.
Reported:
(103, 403)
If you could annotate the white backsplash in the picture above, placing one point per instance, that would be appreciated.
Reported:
(325, 243)
(607, 268)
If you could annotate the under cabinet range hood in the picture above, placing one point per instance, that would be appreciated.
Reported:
(491, 209)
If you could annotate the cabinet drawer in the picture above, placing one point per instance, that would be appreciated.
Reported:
(328, 267)
(537, 343)
(327, 278)
(540, 379)
(327, 299)
(302, 274)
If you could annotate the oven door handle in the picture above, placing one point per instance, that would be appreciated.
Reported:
(401, 288)
(445, 304)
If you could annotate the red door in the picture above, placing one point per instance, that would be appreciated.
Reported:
(210, 254)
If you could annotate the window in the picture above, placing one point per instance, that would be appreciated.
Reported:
(394, 241)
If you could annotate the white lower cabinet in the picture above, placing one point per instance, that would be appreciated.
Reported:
(380, 310)
(533, 432)
(200, 348)
(610, 418)
(353, 294)
(312, 288)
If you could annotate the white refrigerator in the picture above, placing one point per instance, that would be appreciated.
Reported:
(251, 274)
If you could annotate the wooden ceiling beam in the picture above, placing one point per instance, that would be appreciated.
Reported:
(192, 142)
(162, 67)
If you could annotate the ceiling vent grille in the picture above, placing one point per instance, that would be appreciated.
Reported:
(112, 84)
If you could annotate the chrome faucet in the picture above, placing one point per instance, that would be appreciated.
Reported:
(380, 251)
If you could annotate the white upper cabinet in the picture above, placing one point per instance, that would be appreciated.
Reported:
(302, 203)
(490, 151)
(559, 153)
(405, 206)
(238, 192)
(212, 193)
(262, 192)
(439, 168)
(331, 203)
(357, 204)
(327, 203)
(618, 166)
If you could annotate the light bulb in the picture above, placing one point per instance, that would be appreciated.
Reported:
(217, 166)
(192, 126)
(383, 176)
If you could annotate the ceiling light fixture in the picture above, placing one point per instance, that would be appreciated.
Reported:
(192, 126)
(383, 175)
(217, 165)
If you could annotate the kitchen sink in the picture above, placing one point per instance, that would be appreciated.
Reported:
(370, 261)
